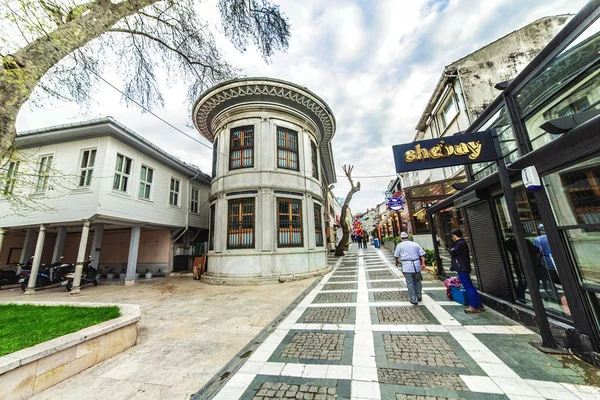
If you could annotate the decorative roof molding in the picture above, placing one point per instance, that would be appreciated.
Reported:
(264, 91)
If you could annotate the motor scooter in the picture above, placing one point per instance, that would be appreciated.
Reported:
(48, 275)
(89, 274)
(12, 275)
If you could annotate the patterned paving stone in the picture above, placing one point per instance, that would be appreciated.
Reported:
(380, 275)
(383, 285)
(345, 273)
(279, 390)
(333, 298)
(338, 314)
(341, 286)
(400, 396)
(342, 279)
(403, 315)
(315, 346)
(420, 379)
(421, 350)
(391, 296)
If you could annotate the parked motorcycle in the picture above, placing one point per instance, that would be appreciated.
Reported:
(49, 274)
(89, 274)
(12, 275)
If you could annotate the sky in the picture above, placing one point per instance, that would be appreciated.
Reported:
(375, 62)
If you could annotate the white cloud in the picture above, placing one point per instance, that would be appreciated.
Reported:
(374, 62)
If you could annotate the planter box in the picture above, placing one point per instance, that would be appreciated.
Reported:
(460, 296)
(27, 372)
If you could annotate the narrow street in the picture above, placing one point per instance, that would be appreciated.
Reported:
(355, 335)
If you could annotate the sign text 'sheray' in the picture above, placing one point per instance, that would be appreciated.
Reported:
(448, 151)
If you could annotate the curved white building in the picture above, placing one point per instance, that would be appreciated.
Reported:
(272, 165)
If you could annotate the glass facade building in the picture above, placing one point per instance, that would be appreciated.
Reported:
(544, 241)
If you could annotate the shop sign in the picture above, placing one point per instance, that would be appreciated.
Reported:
(448, 151)
(395, 203)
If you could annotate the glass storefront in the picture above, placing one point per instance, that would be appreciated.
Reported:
(422, 197)
(500, 121)
(574, 194)
(444, 221)
(569, 84)
(551, 289)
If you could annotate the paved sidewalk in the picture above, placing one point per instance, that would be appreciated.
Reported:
(188, 332)
(356, 336)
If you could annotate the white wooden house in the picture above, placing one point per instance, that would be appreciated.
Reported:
(146, 208)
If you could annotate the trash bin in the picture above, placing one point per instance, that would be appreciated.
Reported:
(376, 243)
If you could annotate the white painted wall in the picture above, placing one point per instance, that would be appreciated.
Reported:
(71, 203)
(266, 259)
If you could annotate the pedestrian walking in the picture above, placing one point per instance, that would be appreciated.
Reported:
(412, 257)
(365, 241)
(461, 263)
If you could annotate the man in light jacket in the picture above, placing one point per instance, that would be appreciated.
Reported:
(412, 257)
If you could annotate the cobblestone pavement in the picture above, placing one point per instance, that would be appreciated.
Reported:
(391, 296)
(356, 337)
(315, 346)
(404, 377)
(275, 390)
(421, 350)
(333, 298)
(327, 315)
(403, 315)
(341, 286)
(400, 396)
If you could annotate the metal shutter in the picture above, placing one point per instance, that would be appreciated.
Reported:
(486, 249)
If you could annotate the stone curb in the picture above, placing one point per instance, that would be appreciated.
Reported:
(250, 281)
(130, 314)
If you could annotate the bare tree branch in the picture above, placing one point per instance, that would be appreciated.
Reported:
(339, 250)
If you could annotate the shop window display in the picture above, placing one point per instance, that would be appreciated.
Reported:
(550, 287)
(574, 194)
(444, 221)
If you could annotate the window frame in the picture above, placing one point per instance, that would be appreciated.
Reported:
(239, 231)
(242, 148)
(211, 227)
(43, 176)
(318, 217)
(215, 157)
(11, 174)
(288, 149)
(174, 194)
(446, 118)
(123, 176)
(196, 200)
(314, 158)
(290, 230)
(146, 183)
(86, 173)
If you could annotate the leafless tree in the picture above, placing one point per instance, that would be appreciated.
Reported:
(60, 47)
(339, 250)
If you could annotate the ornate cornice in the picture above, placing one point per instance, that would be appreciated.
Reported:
(267, 91)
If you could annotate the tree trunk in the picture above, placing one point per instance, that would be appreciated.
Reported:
(22, 71)
(339, 250)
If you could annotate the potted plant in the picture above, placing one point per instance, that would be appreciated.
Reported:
(148, 274)
(111, 273)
